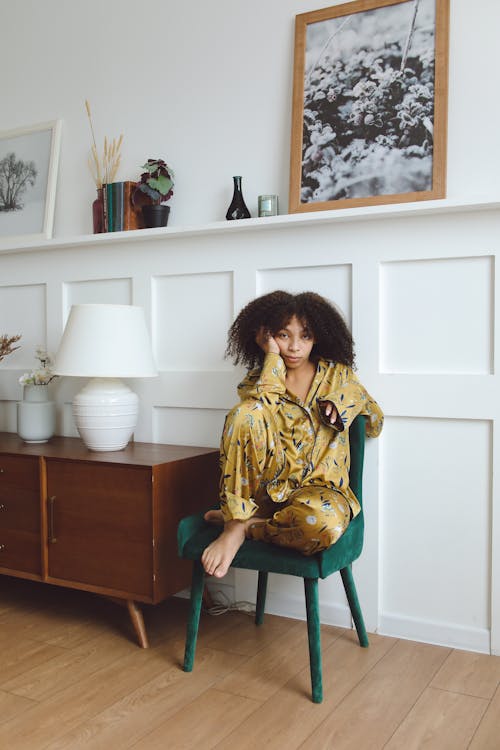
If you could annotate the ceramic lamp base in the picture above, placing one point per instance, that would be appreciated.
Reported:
(105, 413)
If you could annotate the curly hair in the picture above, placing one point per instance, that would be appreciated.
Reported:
(273, 311)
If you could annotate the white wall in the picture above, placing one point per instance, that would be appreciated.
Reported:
(208, 87)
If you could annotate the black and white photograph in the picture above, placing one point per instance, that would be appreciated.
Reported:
(370, 124)
(28, 173)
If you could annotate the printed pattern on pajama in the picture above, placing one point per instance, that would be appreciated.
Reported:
(280, 462)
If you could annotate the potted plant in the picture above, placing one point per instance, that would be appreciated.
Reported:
(36, 413)
(157, 183)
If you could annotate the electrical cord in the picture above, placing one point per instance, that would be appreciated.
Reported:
(223, 604)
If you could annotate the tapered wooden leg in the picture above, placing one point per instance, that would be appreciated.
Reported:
(314, 635)
(136, 617)
(352, 598)
(138, 622)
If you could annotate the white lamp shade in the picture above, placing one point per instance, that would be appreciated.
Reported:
(105, 341)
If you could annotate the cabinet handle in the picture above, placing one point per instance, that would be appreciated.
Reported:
(2, 506)
(52, 536)
(2, 547)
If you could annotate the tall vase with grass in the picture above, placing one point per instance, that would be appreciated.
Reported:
(103, 169)
(36, 413)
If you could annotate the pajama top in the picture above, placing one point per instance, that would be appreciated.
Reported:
(313, 454)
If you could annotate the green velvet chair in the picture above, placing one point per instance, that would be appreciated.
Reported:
(194, 534)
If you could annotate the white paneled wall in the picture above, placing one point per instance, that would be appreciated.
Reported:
(417, 284)
(436, 527)
(427, 308)
(333, 281)
(178, 300)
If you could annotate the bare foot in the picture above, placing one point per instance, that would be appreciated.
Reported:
(218, 556)
(215, 517)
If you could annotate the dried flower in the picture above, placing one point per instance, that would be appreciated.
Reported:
(103, 170)
(6, 344)
(41, 375)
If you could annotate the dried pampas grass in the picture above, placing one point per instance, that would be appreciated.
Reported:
(103, 170)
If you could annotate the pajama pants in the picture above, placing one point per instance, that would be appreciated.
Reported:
(259, 480)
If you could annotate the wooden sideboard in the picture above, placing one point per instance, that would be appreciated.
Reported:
(101, 522)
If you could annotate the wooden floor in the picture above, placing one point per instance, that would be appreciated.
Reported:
(72, 676)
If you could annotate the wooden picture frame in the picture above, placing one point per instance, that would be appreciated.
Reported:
(29, 158)
(369, 112)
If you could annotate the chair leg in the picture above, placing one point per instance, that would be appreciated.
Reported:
(314, 636)
(194, 614)
(261, 597)
(352, 598)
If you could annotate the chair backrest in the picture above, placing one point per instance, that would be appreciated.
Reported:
(349, 546)
(357, 450)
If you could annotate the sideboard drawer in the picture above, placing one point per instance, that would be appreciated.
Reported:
(19, 474)
(20, 513)
(20, 551)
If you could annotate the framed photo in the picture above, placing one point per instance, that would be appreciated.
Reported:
(369, 104)
(28, 174)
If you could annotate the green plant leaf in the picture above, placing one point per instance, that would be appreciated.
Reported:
(162, 184)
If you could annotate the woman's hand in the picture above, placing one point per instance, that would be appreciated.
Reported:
(266, 342)
(329, 414)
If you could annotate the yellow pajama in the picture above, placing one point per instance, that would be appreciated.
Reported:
(280, 462)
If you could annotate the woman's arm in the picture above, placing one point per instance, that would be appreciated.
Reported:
(351, 398)
(267, 384)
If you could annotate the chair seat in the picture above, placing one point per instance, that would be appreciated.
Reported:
(194, 535)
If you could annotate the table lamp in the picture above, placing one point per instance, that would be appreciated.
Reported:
(105, 343)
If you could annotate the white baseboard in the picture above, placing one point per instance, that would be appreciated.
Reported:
(294, 607)
(395, 626)
(437, 633)
(284, 606)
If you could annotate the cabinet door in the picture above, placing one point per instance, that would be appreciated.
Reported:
(20, 514)
(100, 525)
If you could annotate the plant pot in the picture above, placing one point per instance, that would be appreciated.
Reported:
(155, 216)
(36, 415)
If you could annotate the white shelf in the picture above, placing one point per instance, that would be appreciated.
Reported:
(365, 213)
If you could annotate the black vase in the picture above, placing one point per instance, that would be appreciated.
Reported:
(237, 208)
(155, 216)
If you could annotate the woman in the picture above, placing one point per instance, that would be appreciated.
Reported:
(285, 447)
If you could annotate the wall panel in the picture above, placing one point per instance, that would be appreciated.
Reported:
(428, 308)
(418, 289)
(333, 282)
(435, 530)
(22, 310)
(97, 291)
(181, 426)
(185, 336)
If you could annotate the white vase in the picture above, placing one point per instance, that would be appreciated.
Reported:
(36, 415)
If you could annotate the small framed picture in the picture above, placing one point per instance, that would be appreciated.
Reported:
(369, 104)
(29, 158)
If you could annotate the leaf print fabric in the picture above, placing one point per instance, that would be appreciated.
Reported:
(281, 462)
